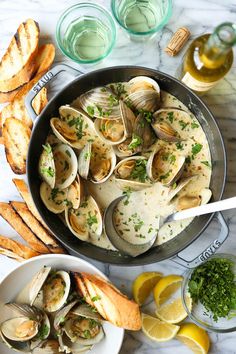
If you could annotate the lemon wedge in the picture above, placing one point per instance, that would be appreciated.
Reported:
(166, 287)
(144, 284)
(173, 312)
(194, 337)
(158, 330)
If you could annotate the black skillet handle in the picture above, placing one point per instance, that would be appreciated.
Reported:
(43, 81)
(209, 251)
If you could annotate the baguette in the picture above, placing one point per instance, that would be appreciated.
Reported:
(25, 194)
(10, 95)
(42, 234)
(112, 305)
(16, 250)
(9, 214)
(45, 58)
(17, 64)
(16, 139)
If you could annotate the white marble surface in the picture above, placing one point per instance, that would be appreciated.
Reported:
(199, 16)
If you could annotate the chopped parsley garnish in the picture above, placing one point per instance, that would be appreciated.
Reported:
(127, 192)
(196, 148)
(170, 116)
(87, 334)
(47, 148)
(135, 142)
(103, 89)
(68, 153)
(183, 124)
(43, 331)
(90, 110)
(165, 176)
(119, 89)
(78, 122)
(194, 125)
(139, 171)
(96, 298)
(113, 101)
(172, 159)
(179, 146)
(48, 171)
(146, 114)
(138, 225)
(213, 285)
(91, 219)
(206, 163)
(84, 204)
(55, 192)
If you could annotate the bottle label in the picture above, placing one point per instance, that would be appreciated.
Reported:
(197, 85)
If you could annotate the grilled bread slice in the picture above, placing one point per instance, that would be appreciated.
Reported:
(9, 214)
(42, 234)
(16, 139)
(10, 95)
(25, 194)
(17, 64)
(44, 59)
(15, 249)
(112, 305)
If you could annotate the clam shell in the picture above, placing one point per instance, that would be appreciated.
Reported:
(75, 193)
(165, 131)
(140, 83)
(14, 328)
(101, 103)
(123, 149)
(67, 346)
(181, 184)
(192, 201)
(22, 347)
(111, 131)
(143, 130)
(53, 199)
(37, 283)
(50, 346)
(73, 127)
(47, 169)
(84, 160)
(69, 330)
(85, 310)
(122, 174)
(61, 314)
(163, 169)
(66, 165)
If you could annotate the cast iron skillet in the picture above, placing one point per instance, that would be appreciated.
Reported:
(100, 77)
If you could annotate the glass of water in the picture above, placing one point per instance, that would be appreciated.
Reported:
(86, 33)
(142, 17)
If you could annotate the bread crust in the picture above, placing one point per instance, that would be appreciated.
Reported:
(15, 249)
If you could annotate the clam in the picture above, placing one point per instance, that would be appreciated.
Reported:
(101, 103)
(75, 193)
(131, 173)
(165, 167)
(165, 131)
(50, 346)
(73, 127)
(190, 201)
(66, 165)
(86, 221)
(47, 169)
(144, 93)
(53, 199)
(176, 188)
(129, 147)
(37, 283)
(96, 162)
(115, 131)
(20, 328)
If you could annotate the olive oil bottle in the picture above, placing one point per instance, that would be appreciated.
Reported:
(208, 58)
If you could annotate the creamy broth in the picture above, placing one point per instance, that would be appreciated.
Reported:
(137, 220)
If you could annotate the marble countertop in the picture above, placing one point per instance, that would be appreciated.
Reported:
(200, 17)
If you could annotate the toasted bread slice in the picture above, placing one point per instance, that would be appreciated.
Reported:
(16, 109)
(17, 64)
(16, 250)
(109, 301)
(25, 194)
(22, 209)
(45, 58)
(16, 139)
(9, 214)
(9, 96)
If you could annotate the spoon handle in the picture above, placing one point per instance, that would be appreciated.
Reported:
(225, 204)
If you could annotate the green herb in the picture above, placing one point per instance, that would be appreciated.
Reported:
(183, 124)
(113, 101)
(43, 331)
(139, 170)
(47, 148)
(146, 115)
(188, 160)
(165, 157)
(172, 159)
(68, 153)
(119, 89)
(78, 122)
(194, 125)
(87, 334)
(170, 116)
(135, 142)
(127, 192)
(213, 285)
(48, 171)
(103, 89)
(129, 103)
(93, 323)
(165, 176)
(96, 298)
(206, 163)
(55, 192)
(92, 219)
(90, 110)
(196, 148)
(138, 225)
(179, 146)
(84, 204)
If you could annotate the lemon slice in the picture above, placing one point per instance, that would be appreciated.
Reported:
(194, 337)
(158, 330)
(166, 287)
(144, 284)
(174, 312)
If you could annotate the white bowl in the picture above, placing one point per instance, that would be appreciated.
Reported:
(15, 281)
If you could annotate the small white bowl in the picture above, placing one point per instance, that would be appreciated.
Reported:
(16, 280)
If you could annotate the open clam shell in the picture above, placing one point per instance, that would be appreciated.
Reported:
(73, 127)
(53, 199)
(183, 182)
(20, 328)
(61, 315)
(86, 221)
(37, 283)
(66, 165)
(50, 346)
(190, 201)
(101, 103)
(165, 131)
(165, 167)
(96, 162)
(67, 346)
(19, 346)
(47, 169)
(75, 193)
(131, 173)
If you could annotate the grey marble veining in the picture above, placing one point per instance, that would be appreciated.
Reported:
(200, 17)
